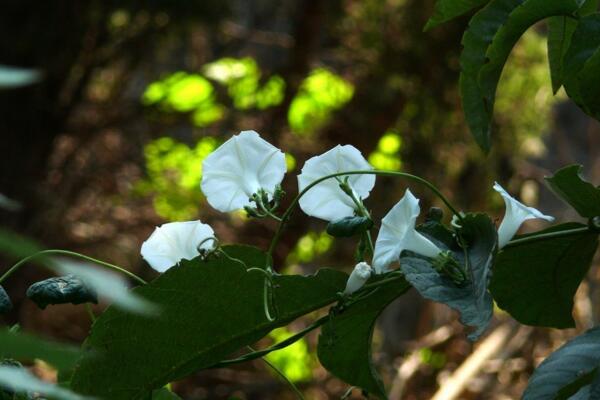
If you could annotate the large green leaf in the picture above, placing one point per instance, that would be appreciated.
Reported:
(24, 347)
(491, 35)
(344, 346)
(560, 30)
(535, 281)
(567, 370)
(210, 309)
(580, 194)
(472, 298)
(445, 10)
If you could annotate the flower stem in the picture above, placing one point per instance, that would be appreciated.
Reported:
(549, 235)
(287, 214)
(15, 267)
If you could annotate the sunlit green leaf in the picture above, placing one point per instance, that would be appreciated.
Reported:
(491, 35)
(199, 326)
(567, 370)
(345, 341)
(536, 281)
(294, 361)
(577, 192)
(446, 10)
(25, 347)
(164, 394)
(61, 290)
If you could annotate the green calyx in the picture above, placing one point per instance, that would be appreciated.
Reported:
(447, 265)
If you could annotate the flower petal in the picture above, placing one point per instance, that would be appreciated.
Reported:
(172, 242)
(398, 233)
(516, 213)
(239, 168)
(326, 200)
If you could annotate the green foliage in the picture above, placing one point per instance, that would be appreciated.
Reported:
(535, 282)
(24, 347)
(491, 35)
(310, 246)
(320, 94)
(294, 361)
(61, 290)
(581, 63)
(445, 10)
(164, 394)
(174, 173)
(5, 303)
(349, 226)
(344, 346)
(568, 184)
(471, 298)
(199, 325)
(387, 154)
(568, 369)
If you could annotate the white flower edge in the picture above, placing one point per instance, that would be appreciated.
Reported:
(172, 242)
(326, 200)
(516, 213)
(239, 168)
(398, 233)
(359, 276)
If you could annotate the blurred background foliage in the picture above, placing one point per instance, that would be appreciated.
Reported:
(134, 95)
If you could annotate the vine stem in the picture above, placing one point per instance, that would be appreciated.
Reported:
(549, 235)
(16, 266)
(281, 375)
(286, 215)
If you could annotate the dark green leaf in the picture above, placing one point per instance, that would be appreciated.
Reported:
(471, 299)
(568, 369)
(580, 194)
(491, 35)
(445, 10)
(210, 309)
(61, 290)
(164, 394)
(535, 282)
(5, 303)
(349, 226)
(560, 30)
(580, 80)
(24, 347)
(344, 346)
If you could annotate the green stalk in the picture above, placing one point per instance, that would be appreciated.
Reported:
(15, 267)
(549, 235)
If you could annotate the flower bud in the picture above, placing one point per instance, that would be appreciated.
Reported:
(359, 276)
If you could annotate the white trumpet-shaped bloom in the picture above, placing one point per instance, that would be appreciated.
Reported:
(359, 276)
(239, 168)
(516, 213)
(398, 233)
(172, 242)
(327, 200)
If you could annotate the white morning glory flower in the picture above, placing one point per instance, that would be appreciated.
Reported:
(398, 233)
(326, 200)
(239, 168)
(516, 213)
(359, 276)
(172, 242)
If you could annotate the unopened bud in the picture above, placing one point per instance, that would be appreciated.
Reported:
(359, 276)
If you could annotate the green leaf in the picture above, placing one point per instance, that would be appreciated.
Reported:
(491, 35)
(24, 347)
(576, 191)
(560, 31)
(535, 281)
(568, 369)
(5, 303)
(472, 299)
(349, 226)
(19, 380)
(61, 290)
(344, 346)
(210, 309)
(445, 10)
(164, 394)
(580, 79)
